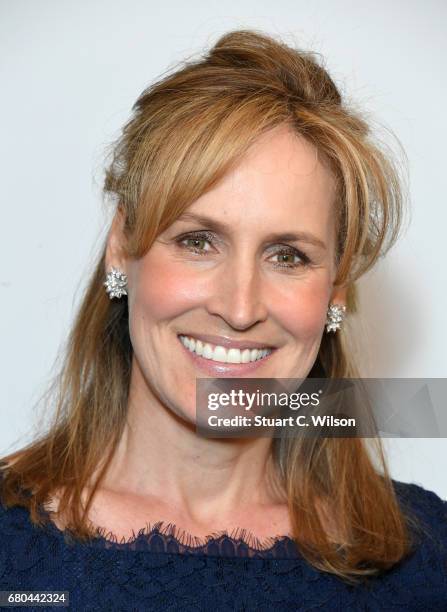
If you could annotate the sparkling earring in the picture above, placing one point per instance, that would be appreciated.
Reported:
(116, 283)
(336, 314)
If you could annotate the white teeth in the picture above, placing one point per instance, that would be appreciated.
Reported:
(245, 356)
(234, 356)
(220, 353)
(207, 351)
(199, 347)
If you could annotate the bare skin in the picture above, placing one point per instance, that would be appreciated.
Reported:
(162, 470)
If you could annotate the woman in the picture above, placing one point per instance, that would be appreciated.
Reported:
(249, 200)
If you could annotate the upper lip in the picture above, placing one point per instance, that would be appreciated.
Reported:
(229, 342)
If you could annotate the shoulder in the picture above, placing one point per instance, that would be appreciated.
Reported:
(426, 511)
(11, 513)
(422, 500)
(15, 537)
(14, 520)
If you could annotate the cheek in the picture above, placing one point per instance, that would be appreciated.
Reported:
(303, 311)
(162, 290)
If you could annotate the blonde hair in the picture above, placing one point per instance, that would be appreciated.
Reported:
(186, 131)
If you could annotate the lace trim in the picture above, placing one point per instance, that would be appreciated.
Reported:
(171, 539)
(161, 538)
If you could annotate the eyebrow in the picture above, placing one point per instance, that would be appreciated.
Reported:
(223, 228)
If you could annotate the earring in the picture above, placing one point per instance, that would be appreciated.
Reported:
(116, 283)
(335, 316)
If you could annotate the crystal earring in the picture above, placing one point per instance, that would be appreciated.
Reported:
(116, 283)
(335, 316)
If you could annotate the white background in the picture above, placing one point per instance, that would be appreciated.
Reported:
(70, 72)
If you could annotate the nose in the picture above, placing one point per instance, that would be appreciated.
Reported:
(238, 294)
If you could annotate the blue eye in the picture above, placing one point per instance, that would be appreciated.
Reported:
(196, 241)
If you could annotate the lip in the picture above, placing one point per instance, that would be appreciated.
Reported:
(218, 368)
(227, 342)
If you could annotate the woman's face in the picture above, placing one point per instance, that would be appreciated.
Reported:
(251, 261)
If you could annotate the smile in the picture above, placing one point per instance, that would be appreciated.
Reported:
(221, 354)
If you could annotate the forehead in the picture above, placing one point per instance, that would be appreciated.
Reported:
(281, 180)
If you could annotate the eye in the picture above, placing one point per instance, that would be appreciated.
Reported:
(196, 242)
(291, 258)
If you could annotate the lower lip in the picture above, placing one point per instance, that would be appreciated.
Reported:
(218, 368)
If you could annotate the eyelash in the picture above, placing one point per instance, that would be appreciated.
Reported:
(209, 237)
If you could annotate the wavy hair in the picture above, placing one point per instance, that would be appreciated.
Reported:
(186, 131)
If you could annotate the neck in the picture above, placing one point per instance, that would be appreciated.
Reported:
(160, 456)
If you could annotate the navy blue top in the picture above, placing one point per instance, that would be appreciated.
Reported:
(154, 570)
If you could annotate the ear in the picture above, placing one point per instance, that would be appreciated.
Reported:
(114, 251)
(339, 295)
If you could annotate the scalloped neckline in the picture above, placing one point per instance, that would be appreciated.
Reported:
(170, 539)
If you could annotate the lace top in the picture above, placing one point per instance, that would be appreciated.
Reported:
(161, 569)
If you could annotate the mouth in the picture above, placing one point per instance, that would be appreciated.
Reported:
(217, 359)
